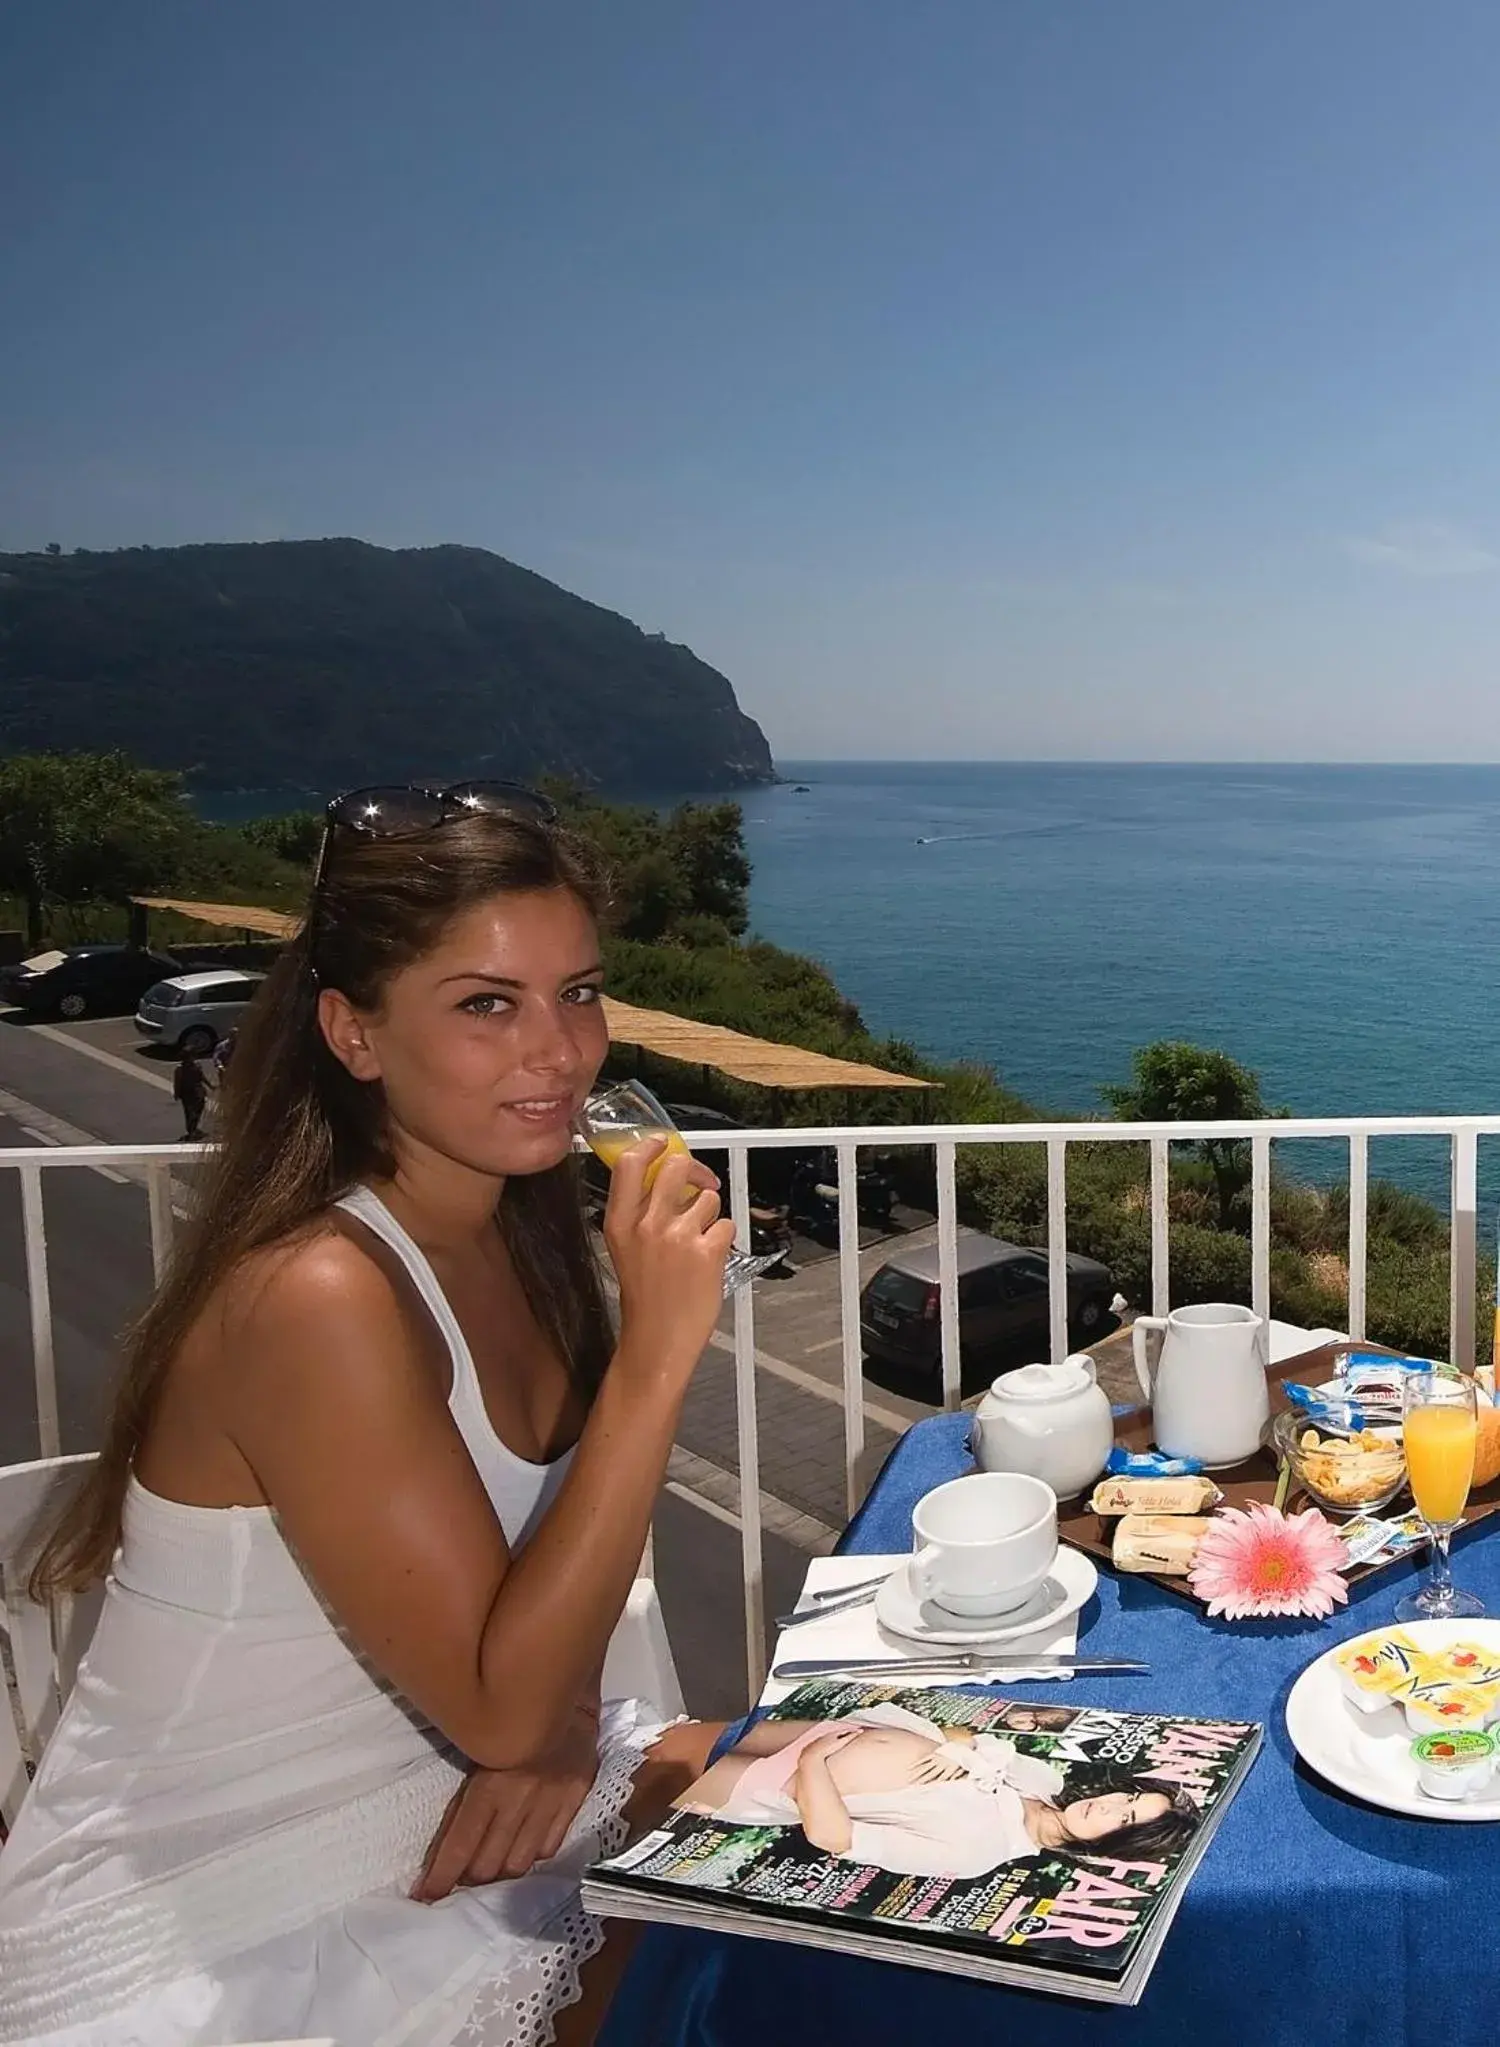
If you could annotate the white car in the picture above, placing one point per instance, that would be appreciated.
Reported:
(192, 1012)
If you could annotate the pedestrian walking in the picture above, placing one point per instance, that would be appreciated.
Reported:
(190, 1091)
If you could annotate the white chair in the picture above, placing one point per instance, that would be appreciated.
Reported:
(639, 1664)
(46, 1643)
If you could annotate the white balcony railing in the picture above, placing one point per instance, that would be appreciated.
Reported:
(151, 1165)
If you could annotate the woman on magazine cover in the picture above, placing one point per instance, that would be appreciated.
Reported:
(884, 1787)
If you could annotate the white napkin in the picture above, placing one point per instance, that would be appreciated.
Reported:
(858, 1635)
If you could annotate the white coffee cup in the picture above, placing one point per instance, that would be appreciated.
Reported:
(985, 1542)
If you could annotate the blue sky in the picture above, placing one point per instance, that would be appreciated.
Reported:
(1078, 378)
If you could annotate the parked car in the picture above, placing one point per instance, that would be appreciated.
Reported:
(85, 980)
(192, 1012)
(1002, 1299)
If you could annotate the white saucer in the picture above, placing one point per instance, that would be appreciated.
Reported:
(1369, 1754)
(1072, 1578)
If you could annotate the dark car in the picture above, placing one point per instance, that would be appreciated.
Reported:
(1002, 1299)
(85, 980)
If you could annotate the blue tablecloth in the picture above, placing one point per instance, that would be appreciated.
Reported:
(1312, 1918)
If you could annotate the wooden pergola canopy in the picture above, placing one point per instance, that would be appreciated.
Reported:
(236, 916)
(758, 1060)
(761, 1061)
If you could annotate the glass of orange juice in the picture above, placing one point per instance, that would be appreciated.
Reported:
(1440, 1428)
(617, 1117)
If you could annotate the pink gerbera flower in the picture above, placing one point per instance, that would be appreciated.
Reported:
(1259, 1561)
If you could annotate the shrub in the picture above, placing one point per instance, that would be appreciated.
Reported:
(1391, 1212)
(1209, 1265)
(1299, 1295)
(1003, 1189)
(1299, 1217)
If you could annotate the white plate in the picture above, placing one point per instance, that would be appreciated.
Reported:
(1369, 1754)
(1069, 1584)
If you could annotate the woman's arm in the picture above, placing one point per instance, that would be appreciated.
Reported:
(350, 1437)
(824, 1815)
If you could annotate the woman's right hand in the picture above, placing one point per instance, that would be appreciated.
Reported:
(669, 1243)
(828, 1745)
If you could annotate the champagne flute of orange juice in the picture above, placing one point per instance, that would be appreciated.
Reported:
(1440, 1431)
(617, 1117)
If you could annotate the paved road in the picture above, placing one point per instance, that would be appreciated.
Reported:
(98, 1235)
(100, 1272)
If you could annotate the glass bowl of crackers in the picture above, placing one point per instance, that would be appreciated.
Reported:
(1357, 1471)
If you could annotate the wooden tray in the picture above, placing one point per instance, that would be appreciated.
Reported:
(1079, 1525)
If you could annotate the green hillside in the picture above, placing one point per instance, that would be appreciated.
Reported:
(313, 664)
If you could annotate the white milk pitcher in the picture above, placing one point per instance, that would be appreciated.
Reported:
(1209, 1398)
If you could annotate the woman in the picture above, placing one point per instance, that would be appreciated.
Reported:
(190, 1092)
(380, 1477)
(884, 1787)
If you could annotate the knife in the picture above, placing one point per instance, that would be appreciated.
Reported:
(959, 1659)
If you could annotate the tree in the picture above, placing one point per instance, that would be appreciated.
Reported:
(1180, 1083)
(85, 827)
(677, 879)
(651, 896)
(295, 837)
(707, 846)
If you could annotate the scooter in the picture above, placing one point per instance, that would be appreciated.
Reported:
(771, 1233)
(814, 1205)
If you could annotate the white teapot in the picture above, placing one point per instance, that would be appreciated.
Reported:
(1052, 1421)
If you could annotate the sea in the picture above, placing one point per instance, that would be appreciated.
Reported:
(1333, 928)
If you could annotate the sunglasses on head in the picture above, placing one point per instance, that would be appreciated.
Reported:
(407, 811)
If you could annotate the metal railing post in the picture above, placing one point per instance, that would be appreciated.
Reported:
(1359, 1215)
(39, 1294)
(947, 1228)
(853, 1349)
(1260, 1226)
(747, 1428)
(1161, 1228)
(1057, 1246)
(1463, 1271)
(163, 1222)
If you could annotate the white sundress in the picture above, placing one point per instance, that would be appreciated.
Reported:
(220, 1840)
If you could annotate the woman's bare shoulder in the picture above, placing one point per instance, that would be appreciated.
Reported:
(317, 1291)
(318, 1265)
(296, 1335)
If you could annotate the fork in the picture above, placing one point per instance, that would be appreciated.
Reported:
(842, 1602)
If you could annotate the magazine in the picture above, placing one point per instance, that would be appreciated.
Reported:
(1039, 1845)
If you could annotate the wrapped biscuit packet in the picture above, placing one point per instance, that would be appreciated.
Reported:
(1155, 1496)
(1123, 1463)
(1164, 1543)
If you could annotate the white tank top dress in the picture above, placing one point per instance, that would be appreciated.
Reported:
(220, 1840)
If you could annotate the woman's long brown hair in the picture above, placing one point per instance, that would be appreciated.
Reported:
(299, 1130)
